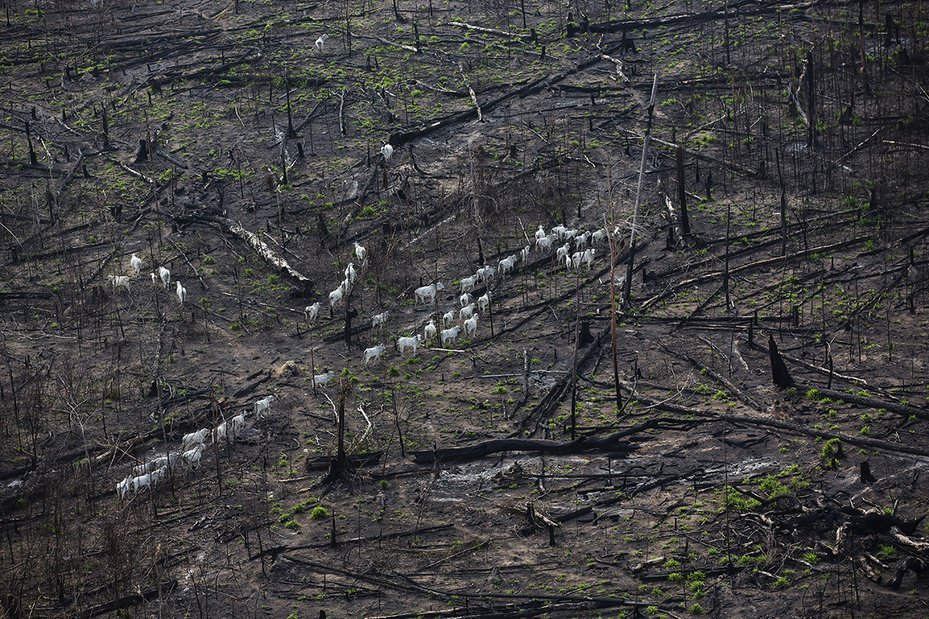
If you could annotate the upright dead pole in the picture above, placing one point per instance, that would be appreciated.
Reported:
(577, 320)
(638, 192)
(682, 192)
(525, 375)
(810, 103)
(726, 32)
(614, 346)
(339, 466)
(348, 29)
(726, 269)
(106, 128)
(780, 180)
(32, 156)
(343, 392)
(861, 49)
(349, 314)
(290, 120)
(313, 368)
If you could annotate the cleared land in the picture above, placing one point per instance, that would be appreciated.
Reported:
(496, 475)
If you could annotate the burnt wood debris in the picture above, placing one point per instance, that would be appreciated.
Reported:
(460, 309)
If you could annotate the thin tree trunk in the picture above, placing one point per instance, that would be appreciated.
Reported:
(638, 192)
(682, 192)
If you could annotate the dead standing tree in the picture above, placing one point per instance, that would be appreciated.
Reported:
(340, 466)
(627, 289)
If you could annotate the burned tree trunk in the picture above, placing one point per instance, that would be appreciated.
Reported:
(779, 373)
(585, 337)
(866, 477)
(141, 153)
(682, 192)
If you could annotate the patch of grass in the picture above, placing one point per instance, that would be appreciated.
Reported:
(887, 553)
(741, 503)
(831, 449)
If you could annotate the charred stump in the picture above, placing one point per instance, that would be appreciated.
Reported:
(865, 475)
(141, 153)
(779, 373)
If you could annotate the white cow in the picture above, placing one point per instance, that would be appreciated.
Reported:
(165, 276)
(468, 283)
(426, 294)
(403, 343)
(507, 265)
(122, 488)
(237, 424)
(194, 438)
(335, 297)
(350, 273)
(450, 335)
(467, 311)
(470, 326)
(321, 380)
(374, 353)
(588, 257)
(219, 433)
(379, 320)
(120, 281)
(193, 456)
(361, 253)
(311, 312)
(545, 243)
(264, 404)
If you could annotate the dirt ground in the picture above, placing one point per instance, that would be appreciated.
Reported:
(509, 473)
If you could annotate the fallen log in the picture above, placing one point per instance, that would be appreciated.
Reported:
(626, 25)
(731, 386)
(129, 600)
(405, 136)
(303, 283)
(24, 295)
(851, 398)
(905, 565)
(715, 275)
(555, 395)
(611, 444)
(471, 93)
(501, 33)
(735, 167)
(857, 440)
(388, 42)
(831, 221)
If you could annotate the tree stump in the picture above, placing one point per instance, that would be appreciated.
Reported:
(779, 372)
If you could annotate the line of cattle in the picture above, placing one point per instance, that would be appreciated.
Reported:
(188, 457)
(466, 321)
